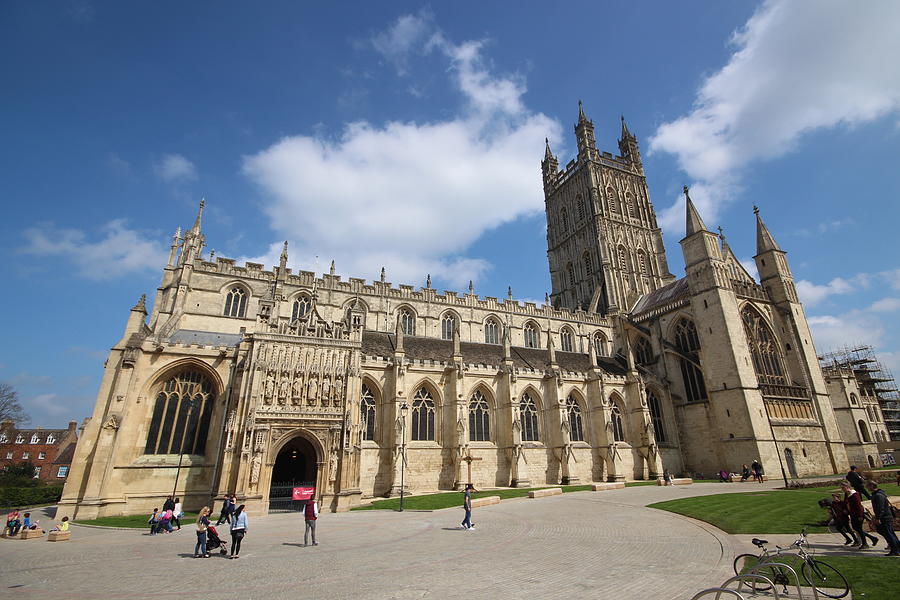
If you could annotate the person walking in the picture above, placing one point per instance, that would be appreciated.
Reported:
(169, 504)
(310, 515)
(884, 518)
(238, 530)
(857, 514)
(841, 516)
(177, 513)
(202, 527)
(856, 481)
(467, 506)
(756, 467)
(227, 509)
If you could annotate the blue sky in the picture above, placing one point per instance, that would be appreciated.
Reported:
(410, 137)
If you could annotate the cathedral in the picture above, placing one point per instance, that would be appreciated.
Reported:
(254, 381)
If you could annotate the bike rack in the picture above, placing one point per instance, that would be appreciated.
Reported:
(796, 577)
(743, 577)
(718, 592)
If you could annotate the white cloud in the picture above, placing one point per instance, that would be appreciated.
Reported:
(405, 35)
(411, 196)
(797, 66)
(812, 294)
(47, 404)
(175, 167)
(855, 327)
(885, 305)
(121, 251)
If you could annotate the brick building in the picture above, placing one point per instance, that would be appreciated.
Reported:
(46, 449)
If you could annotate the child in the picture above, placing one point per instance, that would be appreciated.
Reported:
(153, 521)
(62, 526)
(27, 524)
(165, 522)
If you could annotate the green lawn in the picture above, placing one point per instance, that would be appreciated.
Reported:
(870, 577)
(781, 511)
(136, 521)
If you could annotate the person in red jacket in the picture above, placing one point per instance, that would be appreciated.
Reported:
(857, 513)
(310, 513)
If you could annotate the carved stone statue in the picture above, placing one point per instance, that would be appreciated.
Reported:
(255, 466)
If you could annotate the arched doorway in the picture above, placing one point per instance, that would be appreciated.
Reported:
(296, 465)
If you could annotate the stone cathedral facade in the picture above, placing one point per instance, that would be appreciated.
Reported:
(249, 380)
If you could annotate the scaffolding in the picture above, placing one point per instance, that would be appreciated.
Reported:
(874, 380)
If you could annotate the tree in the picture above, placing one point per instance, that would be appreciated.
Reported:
(10, 409)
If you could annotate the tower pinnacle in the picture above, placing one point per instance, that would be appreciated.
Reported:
(693, 222)
(764, 239)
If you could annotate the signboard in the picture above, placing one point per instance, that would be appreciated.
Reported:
(303, 493)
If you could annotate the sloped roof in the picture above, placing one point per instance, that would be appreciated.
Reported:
(66, 456)
(41, 433)
(662, 296)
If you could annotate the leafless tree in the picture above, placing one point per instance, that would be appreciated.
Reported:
(10, 409)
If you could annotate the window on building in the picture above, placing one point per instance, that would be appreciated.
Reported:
(302, 306)
(9, 455)
(367, 413)
(531, 336)
(566, 340)
(42, 455)
(623, 261)
(26, 455)
(864, 431)
(172, 429)
(564, 220)
(37, 471)
(407, 321)
(3, 438)
(448, 326)
(35, 439)
(51, 439)
(581, 210)
(629, 199)
(20, 439)
(764, 349)
(611, 198)
(617, 426)
(491, 332)
(573, 413)
(236, 302)
(656, 417)
(479, 418)
(854, 400)
(570, 271)
(600, 348)
(688, 343)
(528, 418)
(642, 262)
(588, 265)
(643, 352)
(62, 472)
(423, 416)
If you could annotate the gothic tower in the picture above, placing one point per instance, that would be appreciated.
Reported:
(603, 244)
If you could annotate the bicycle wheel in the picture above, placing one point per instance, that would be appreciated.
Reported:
(827, 580)
(744, 563)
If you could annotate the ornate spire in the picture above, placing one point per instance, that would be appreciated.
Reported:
(546, 299)
(196, 228)
(141, 304)
(582, 118)
(509, 292)
(507, 345)
(382, 274)
(548, 155)
(428, 281)
(331, 269)
(456, 351)
(764, 239)
(284, 255)
(551, 348)
(625, 133)
(398, 334)
(694, 222)
(471, 287)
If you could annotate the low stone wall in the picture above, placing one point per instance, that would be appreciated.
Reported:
(545, 492)
(30, 534)
(59, 536)
(676, 481)
(610, 485)
(486, 501)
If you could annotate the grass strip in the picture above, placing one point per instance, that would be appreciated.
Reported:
(870, 577)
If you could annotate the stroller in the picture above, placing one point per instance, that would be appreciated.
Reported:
(213, 541)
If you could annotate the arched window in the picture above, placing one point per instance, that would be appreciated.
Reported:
(763, 348)
(566, 340)
(869, 412)
(531, 336)
(181, 414)
(600, 348)
(51, 439)
(656, 417)
(407, 321)
(871, 461)
(448, 326)
(573, 413)
(491, 332)
(423, 416)
(629, 200)
(623, 261)
(479, 418)
(570, 271)
(854, 400)
(688, 343)
(367, 413)
(611, 196)
(581, 211)
(643, 352)
(236, 302)
(617, 427)
(564, 220)
(528, 418)
(301, 307)
(35, 439)
(588, 265)
(642, 262)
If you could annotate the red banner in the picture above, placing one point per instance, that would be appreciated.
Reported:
(303, 493)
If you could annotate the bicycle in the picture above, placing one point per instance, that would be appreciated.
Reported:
(822, 576)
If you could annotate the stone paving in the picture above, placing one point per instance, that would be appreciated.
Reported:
(602, 544)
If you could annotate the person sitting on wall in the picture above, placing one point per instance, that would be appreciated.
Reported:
(12, 522)
(723, 476)
(745, 473)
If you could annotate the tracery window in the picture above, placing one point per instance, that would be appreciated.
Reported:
(479, 418)
(407, 321)
(423, 416)
(564, 220)
(171, 432)
(629, 199)
(600, 345)
(581, 211)
(617, 426)
(236, 302)
(643, 352)
(763, 348)
(566, 339)
(528, 418)
(301, 307)
(531, 336)
(570, 271)
(642, 262)
(573, 413)
(367, 413)
(448, 326)
(611, 195)
(623, 262)
(656, 417)
(588, 266)
(491, 332)
(854, 400)
(688, 343)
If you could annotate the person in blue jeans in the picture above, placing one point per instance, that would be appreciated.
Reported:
(884, 517)
(467, 506)
(202, 527)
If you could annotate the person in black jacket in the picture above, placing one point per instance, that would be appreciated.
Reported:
(857, 483)
(884, 518)
(169, 504)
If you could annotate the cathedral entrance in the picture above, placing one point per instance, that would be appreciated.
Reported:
(295, 466)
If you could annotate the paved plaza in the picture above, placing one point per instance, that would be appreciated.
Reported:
(584, 544)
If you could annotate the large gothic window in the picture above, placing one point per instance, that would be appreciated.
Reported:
(181, 414)
(643, 352)
(564, 220)
(763, 349)
(573, 414)
(570, 271)
(642, 262)
(688, 343)
(629, 200)
(566, 338)
(236, 302)
(528, 419)
(301, 307)
(407, 321)
(617, 426)
(448, 326)
(479, 418)
(623, 261)
(491, 332)
(656, 417)
(367, 413)
(611, 196)
(581, 211)
(423, 416)
(531, 336)
(600, 345)
(588, 266)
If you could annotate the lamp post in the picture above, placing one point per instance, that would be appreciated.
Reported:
(404, 408)
(187, 421)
